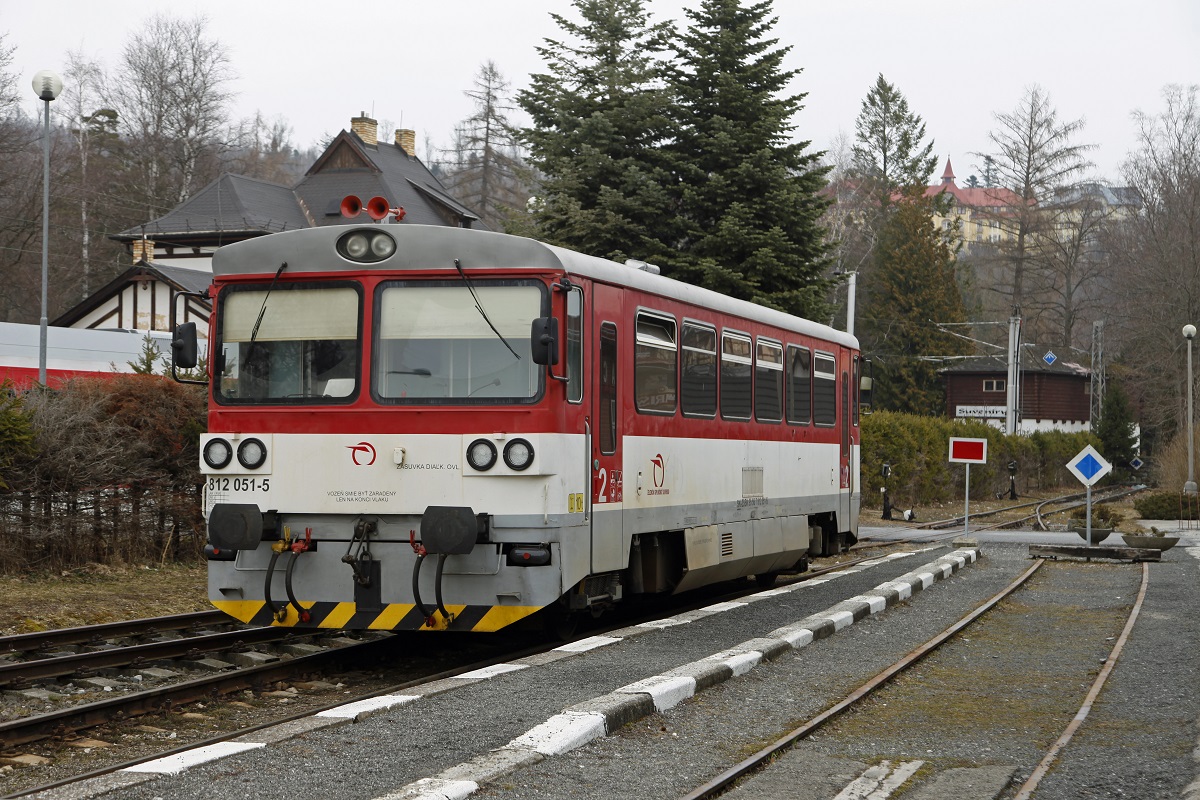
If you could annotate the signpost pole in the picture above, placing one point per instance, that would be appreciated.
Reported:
(1089, 515)
(967, 504)
(1089, 466)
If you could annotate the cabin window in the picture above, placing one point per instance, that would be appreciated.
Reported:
(698, 355)
(433, 344)
(575, 345)
(290, 343)
(799, 393)
(608, 388)
(994, 385)
(736, 370)
(768, 382)
(654, 373)
(824, 389)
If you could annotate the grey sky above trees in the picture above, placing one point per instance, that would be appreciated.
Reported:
(402, 70)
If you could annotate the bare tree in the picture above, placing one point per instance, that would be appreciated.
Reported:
(1158, 252)
(1070, 286)
(263, 149)
(1035, 154)
(485, 170)
(171, 93)
(86, 116)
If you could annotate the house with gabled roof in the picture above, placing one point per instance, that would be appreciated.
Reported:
(979, 210)
(1053, 395)
(173, 253)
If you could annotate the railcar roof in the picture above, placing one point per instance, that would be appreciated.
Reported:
(424, 247)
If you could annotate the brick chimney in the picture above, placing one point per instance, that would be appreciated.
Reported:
(366, 128)
(143, 250)
(406, 140)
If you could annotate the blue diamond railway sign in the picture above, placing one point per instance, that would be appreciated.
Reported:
(1050, 358)
(1137, 463)
(1089, 466)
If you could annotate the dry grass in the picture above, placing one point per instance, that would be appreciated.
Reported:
(97, 594)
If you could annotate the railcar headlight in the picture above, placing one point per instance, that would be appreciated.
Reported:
(357, 245)
(251, 453)
(481, 454)
(518, 454)
(366, 246)
(382, 246)
(218, 453)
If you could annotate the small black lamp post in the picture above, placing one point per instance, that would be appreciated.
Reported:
(1012, 480)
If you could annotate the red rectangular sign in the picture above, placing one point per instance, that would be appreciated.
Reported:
(968, 451)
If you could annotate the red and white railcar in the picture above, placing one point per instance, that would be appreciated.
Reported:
(554, 430)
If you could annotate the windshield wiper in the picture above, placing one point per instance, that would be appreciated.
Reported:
(479, 308)
(263, 310)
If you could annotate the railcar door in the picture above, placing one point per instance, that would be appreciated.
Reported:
(607, 472)
(846, 484)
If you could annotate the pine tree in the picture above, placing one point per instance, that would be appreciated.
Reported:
(890, 152)
(486, 171)
(748, 209)
(915, 288)
(598, 123)
(1116, 430)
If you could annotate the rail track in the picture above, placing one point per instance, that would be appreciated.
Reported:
(1041, 509)
(63, 724)
(874, 782)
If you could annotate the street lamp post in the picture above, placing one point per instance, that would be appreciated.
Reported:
(47, 86)
(1189, 333)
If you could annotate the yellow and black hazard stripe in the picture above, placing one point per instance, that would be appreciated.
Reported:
(390, 617)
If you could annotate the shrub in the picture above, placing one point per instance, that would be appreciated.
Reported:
(1103, 515)
(1167, 505)
(917, 449)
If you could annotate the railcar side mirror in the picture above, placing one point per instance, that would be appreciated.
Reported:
(184, 349)
(543, 341)
(865, 384)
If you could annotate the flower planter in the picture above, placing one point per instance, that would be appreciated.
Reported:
(1098, 534)
(1149, 541)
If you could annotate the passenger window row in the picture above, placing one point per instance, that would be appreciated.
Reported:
(745, 378)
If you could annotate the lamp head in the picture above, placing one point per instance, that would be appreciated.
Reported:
(1189, 331)
(47, 85)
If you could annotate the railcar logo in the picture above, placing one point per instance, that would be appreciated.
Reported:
(660, 470)
(367, 449)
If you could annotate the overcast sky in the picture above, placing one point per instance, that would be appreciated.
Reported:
(407, 63)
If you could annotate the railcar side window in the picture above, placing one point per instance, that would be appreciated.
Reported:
(799, 393)
(575, 345)
(824, 390)
(736, 370)
(768, 382)
(654, 364)
(296, 343)
(698, 367)
(608, 388)
(434, 346)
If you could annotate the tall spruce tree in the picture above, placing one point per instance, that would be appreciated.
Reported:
(914, 270)
(598, 123)
(747, 202)
(890, 152)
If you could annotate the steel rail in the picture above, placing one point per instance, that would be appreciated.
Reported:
(1031, 785)
(718, 784)
(90, 715)
(85, 634)
(41, 669)
(69, 721)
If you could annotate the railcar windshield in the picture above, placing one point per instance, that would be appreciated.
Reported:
(434, 345)
(292, 343)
